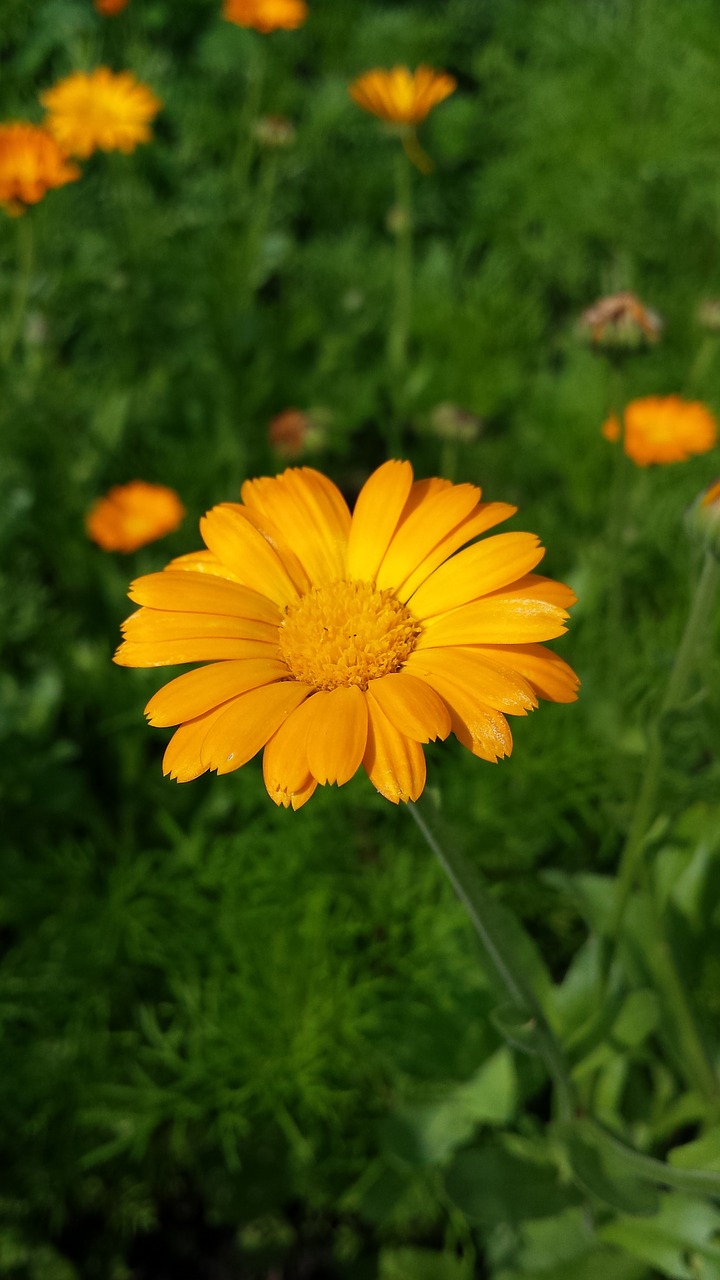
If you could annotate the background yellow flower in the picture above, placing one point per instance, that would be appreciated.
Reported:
(401, 96)
(100, 110)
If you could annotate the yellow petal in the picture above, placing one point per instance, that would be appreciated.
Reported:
(422, 528)
(495, 620)
(414, 709)
(496, 685)
(478, 727)
(486, 566)
(146, 625)
(549, 675)
(248, 722)
(196, 692)
(377, 511)
(197, 593)
(182, 760)
(479, 521)
(285, 762)
(173, 653)
(307, 513)
(238, 544)
(338, 734)
(394, 764)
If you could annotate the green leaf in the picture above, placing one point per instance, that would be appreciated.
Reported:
(678, 1241)
(514, 1024)
(492, 1185)
(638, 1017)
(703, 1153)
(423, 1264)
(599, 1172)
(429, 1134)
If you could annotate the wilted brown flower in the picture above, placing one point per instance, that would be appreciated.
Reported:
(620, 321)
(294, 432)
(450, 422)
(274, 132)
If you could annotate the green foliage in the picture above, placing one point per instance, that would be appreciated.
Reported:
(255, 1043)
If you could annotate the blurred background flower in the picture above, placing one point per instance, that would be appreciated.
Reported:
(132, 515)
(31, 164)
(662, 429)
(100, 110)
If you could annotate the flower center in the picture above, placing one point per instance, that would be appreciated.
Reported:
(346, 633)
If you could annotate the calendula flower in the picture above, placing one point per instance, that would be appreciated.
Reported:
(31, 163)
(621, 321)
(401, 96)
(334, 641)
(108, 8)
(131, 515)
(100, 110)
(663, 429)
(266, 15)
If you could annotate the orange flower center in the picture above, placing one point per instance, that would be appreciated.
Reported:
(346, 633)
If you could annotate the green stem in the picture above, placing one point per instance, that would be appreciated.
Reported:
(505, 963)
(240, 168)
(399, 334)
(702, 363)
(695, 631)
(259, 224)
(698, 1069)
(25, 259)
(614, 538)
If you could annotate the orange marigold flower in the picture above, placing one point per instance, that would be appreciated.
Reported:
(663, 429)
(108, 8)
(100, 111)
(31, 162)
(401, 96)
(621, 321)
(266, 15)
(131, 515)
(334, 641)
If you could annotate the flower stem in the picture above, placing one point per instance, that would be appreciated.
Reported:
(403, 301)
(698, 1069)
(25, 259)
(695, 631)
(506, 964)
(244, 152)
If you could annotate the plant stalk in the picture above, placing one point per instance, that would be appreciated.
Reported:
(25, 262)
(398, 336)
(506, 964)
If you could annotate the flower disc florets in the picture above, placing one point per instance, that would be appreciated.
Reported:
(346, 633)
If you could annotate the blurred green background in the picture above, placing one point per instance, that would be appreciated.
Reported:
(243, 1043)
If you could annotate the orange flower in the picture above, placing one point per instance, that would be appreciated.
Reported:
(31, 162)
(266, 15)
(131, 515)
(108, 8)
(663, 429)
(334, 641)
(401, 96)
(100, 111)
